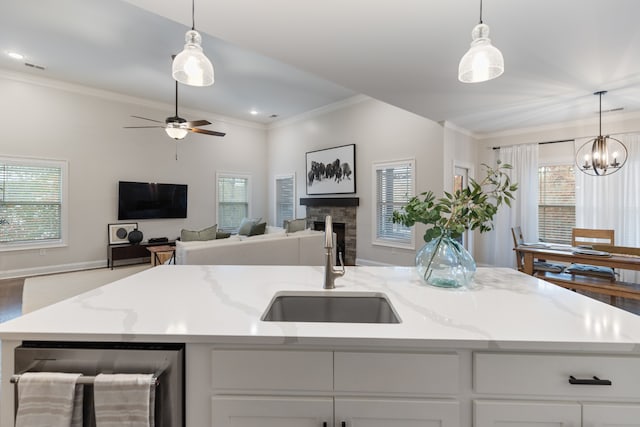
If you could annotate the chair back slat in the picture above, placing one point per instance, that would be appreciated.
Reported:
(591, 235)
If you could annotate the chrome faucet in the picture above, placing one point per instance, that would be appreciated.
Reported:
(330, 273)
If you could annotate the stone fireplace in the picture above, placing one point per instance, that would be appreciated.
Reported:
(343, 212)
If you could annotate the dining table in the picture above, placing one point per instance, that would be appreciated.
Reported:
(575, 255)
(570, 254)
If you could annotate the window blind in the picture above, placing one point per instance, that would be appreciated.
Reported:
(557, 203)
(285, 199)
(233, 201)
(394, 185)
(30, 202)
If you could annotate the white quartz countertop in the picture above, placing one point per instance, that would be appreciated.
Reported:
(504, 309)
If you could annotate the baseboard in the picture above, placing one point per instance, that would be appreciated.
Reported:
(50, 269)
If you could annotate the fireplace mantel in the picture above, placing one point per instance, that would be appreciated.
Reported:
(330, 201)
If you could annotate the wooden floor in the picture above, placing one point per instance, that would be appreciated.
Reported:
(11, 300)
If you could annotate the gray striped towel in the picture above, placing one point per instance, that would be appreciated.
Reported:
(49, 399)
(124, 400)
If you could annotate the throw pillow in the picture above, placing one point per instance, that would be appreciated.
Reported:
(246, 224)
(222, 235)
(258, 229)
(208, 233)
(591, 270)
(294, 225)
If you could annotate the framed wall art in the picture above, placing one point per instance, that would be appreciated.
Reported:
(119, 233)
(332, 170)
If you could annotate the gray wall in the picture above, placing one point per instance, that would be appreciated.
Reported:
(381, 132)
(50, 119)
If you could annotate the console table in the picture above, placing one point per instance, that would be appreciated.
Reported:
(133, 254)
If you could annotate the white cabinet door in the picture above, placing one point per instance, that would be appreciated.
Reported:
(268, 411)
(494, 413)
(610, 415)
(362, 412)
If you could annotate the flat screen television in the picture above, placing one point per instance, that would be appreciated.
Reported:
(147, 200)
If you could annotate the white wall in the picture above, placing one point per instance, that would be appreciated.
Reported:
(611, 124)
(381, 132)
(48, 119)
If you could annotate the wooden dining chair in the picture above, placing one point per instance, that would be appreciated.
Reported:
(581, 236)
(588, 236)
(538, 265)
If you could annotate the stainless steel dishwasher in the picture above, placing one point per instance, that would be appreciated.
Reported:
(166, 361)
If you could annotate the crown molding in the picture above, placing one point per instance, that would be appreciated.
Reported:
(612, 119)
(356, 99)
(454, 127)
(118, 97)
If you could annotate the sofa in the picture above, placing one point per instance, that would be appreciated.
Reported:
(304, 247)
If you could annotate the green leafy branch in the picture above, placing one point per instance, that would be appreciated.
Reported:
(471, 208)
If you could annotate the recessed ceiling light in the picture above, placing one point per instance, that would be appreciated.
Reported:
(253, 112)
(15, 55)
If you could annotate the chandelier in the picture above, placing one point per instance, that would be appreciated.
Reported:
(602, 155)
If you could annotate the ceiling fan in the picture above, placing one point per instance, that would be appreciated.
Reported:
(177, 127)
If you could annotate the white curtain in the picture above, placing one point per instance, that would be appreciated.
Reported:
(613, 201)
(524, 209)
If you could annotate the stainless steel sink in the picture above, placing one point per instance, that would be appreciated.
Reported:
(353, 307)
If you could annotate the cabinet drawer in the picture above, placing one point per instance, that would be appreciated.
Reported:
(548, 374)
(272, 370)
(404, 373)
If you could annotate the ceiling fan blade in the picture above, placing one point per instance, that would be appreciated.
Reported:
(142, 127)
(144, 118)
(206, 132)
(197, 123)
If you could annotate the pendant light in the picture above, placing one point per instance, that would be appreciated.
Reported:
(191, 66)
(482, 61)
(602, 155)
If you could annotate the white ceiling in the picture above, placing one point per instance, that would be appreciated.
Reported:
(404, 52)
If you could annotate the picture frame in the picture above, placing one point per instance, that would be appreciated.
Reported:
(119, 233)
(331, 170)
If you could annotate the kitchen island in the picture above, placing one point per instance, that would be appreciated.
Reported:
(511, 349)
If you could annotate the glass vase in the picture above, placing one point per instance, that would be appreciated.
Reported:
(445, 263)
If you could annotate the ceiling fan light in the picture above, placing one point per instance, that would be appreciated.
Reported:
(191, 66)
(176, 132)
(483, 61)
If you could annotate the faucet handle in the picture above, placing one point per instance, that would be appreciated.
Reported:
(341, 270)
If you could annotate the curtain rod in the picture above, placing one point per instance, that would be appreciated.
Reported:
(540, 143)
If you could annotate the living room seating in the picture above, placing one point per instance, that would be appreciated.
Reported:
(304, 247)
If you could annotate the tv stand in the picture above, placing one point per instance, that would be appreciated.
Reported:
(132, 254)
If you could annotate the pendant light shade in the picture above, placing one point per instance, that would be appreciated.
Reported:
(483, 61)
(602, 155)
(191, 66)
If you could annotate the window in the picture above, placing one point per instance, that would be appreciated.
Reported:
(557, 203)
(32, 203)
(394, 186)
(285, 198)
(233, 200)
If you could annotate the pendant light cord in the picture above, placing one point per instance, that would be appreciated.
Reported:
(481, 11)
(193, 14)
(600, 126)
